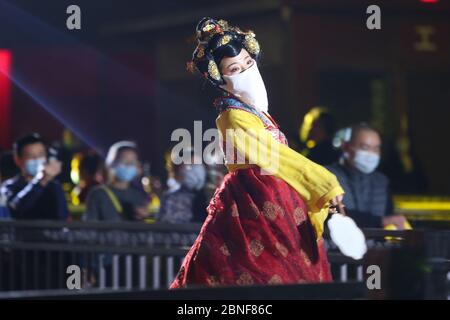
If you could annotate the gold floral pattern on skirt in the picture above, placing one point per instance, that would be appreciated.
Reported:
(276, 279)
(213, 281)
(256, 247)
(281, 242)
(224, 250)
(244, 279)
(272, 210)
(299, 216)
(282, 249)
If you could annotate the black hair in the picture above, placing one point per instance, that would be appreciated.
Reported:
(232, 49)
(91, 163)
(21, 143)
(362, 126)
(327, 122)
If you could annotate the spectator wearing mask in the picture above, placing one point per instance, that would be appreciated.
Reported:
(34, 193)
(185, 200)
(367, 198)
(117, 199)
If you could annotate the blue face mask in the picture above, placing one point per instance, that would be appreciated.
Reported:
(34, 166)
(125, 173)
(366, 161)
(194, 177)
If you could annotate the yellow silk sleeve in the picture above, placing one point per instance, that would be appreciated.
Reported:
(315, 184)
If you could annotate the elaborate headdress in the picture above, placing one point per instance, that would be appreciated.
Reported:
(212, 34)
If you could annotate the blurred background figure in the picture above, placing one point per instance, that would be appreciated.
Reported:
(153, 187)
(35, 193)
(367, 197)
(317, 132)
(185, 200)
(4, 211)
(215, 172)
(118, 199)
(172, 182)
(8, 169)
(90, 174)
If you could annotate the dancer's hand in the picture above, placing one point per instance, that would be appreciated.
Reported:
(337, 205)
(338, 199)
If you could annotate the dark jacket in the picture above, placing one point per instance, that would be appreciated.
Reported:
(182, 206)
(367, 198)
(32, 201)
(100, 205)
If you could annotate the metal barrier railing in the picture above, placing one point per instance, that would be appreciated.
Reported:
(34, 255)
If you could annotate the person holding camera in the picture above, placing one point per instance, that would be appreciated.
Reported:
(35, 194)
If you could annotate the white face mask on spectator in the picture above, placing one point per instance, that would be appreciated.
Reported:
(249, 87)
(366, 161)
(173, 184)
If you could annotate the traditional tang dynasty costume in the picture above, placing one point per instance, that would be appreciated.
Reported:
(265, 221)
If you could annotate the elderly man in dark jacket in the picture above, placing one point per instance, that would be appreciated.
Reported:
(367, 199)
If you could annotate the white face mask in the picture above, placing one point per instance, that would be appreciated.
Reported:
(366, 161)
(249, 87)
(173, 184)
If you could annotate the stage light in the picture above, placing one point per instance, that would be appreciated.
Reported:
(5, 97)
(429, 1)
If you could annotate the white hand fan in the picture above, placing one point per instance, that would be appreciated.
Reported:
(347, 236)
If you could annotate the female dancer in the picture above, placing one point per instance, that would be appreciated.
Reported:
(265, 221)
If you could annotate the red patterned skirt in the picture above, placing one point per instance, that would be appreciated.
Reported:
(257, 232)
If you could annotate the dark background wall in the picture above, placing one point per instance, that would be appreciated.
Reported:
(123, 75)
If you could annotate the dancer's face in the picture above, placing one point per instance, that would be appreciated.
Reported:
(233, 65)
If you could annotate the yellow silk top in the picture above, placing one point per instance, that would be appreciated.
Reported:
(315, 184)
